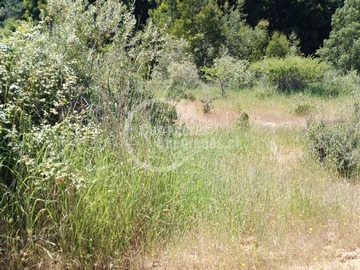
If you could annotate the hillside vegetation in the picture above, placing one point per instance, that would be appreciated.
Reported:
(190, 140)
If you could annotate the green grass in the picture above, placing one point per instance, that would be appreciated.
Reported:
(239, 182)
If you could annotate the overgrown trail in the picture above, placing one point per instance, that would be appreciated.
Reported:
(192, 115)
(276, 119)
(279, 126)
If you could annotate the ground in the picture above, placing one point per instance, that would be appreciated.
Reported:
(317, 249)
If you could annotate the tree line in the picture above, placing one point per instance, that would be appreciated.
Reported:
(309, 20)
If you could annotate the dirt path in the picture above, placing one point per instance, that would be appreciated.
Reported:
(192, 115)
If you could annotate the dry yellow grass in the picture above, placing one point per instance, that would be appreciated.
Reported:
(297, 240)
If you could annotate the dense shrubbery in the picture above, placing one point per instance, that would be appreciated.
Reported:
(80, 62)
(183, 78)
(69, 155)
(293, 73)
(36, 88)
(333, 83)
(336, 143)
(66, 89)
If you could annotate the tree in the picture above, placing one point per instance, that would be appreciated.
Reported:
(241, 40)
(10, 9)
(33, 8)
(343, 46)
(278, 46)
(309, 20)
(199, 22)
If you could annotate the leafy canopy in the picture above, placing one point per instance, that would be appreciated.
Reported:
(343, 46)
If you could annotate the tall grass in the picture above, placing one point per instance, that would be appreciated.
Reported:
(108, 209)
(85, 202)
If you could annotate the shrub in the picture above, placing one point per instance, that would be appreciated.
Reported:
(172, 51)
(333, 83)
(207, 104)
(229, 72)
(35, 88)
(302, 105)
(243, 121)
(183, 74)
(336, 143)
(64, 84)
(79, 60)
(293, 73)
(183, 78)
(241, 40)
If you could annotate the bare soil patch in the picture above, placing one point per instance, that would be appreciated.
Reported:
(192, 116)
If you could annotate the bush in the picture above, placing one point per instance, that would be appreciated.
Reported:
(229, 72)
(67, 86)
(333, 83)
(337, 143)
(172, 51)
(183, 78)
(35, 89)
(80, 60)
(183, 74)
(302, 105)
(293, 73)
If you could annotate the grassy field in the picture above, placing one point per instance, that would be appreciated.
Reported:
(271, 204)
(231, 194)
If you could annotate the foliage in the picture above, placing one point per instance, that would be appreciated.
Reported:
(294, 43)
(34, 8)
(241, 40)
(35, 88)
(183, 78)
(302, 106)
(309, 20)
(10, 9)
(9, 26)
(173, 51)
(229, 72)
(336, 143)
(333, 83)
(290, 73)
(64, 83)
(278, 45)
(342, 49)
(200, 25)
